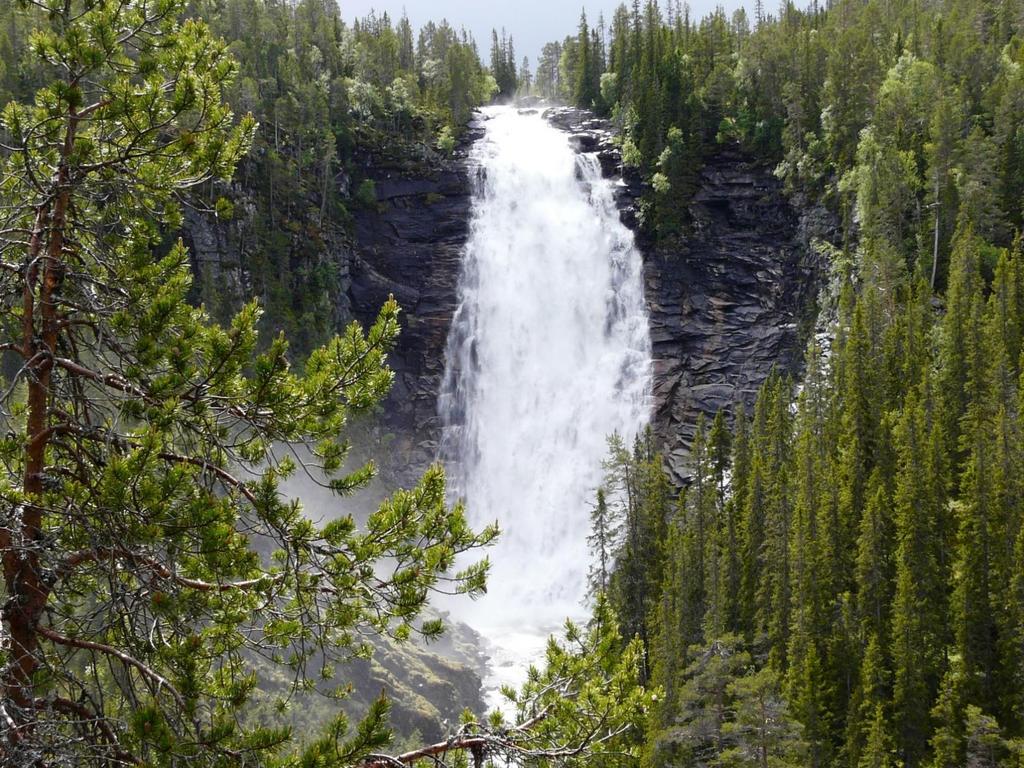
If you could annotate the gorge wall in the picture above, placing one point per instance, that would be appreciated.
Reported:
(733, 299)
(410, 245)
(726, 305)
(738, 297)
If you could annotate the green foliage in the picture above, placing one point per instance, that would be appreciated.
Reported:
(366, 194)
(446, 140)
(149, 552)
(503, 64)
(637, 485)
(604, 541)
(328, 95)
(762, 732)
(589, 692)
(865, 558)
(939, 90)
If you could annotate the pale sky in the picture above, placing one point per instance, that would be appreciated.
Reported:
(531, 23)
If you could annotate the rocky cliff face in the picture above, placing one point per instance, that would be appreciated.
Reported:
(410, 245)
(728, 302)
(732, 299)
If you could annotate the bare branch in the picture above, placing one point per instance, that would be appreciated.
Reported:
(72, 562)
(152, 675)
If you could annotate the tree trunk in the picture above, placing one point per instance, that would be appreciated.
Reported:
(23, 574)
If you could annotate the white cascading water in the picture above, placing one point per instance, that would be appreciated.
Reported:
(548, 354)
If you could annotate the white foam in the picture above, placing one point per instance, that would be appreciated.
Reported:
(549, 353)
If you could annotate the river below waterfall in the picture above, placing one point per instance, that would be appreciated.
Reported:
(549, 352)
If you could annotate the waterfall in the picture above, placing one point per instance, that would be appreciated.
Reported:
(549, 353)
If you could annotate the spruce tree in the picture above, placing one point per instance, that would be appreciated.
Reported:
(669, 648)
(722, 542)
(775, 593)
(919, 606)
(700, 520)
(807, 684)
(957, 338)
(860, 417)
(878, 747)
(604, 543)
(948, 740)
(977, 523)
(867, 729)
(584, 93)
(1002, 350)
(733, 561)
(636, 583)
(874, 561)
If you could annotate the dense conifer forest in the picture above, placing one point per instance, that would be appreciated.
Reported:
(842, 583)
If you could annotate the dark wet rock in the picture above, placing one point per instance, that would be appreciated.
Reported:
(732, 300)
(592, 135)
(729, 301)
(410, 245)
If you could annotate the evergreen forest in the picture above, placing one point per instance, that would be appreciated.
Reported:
(842, 582)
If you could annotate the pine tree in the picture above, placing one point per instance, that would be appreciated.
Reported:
(763, 732)
(525, 77)
(503, 64)
(753, 517)
(670, 650)
(1015, 664)
(141, 489)
(706, 707)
